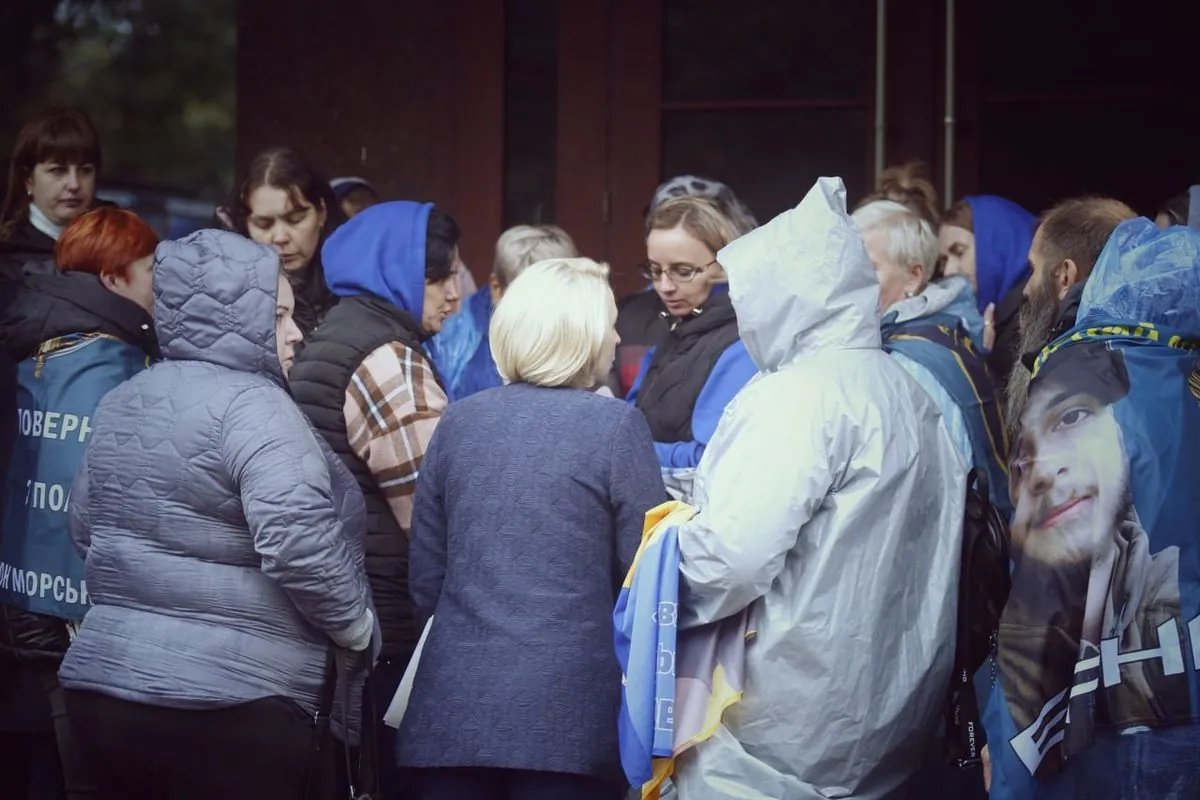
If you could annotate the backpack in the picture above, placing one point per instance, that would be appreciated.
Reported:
(983, 588)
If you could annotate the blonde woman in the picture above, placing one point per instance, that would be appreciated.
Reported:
(461, 350)
(518, 549)
(700, 364)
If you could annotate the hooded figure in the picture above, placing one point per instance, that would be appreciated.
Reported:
(223, 548)
(370, 388)
(831, 505)
(1098, 693)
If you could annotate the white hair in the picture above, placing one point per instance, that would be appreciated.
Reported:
(523, 245)
(910, 239)
(550, 326)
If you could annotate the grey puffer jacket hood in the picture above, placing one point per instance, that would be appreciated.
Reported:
(214, 301)
(223, 540)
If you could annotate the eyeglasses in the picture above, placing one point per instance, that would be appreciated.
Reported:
(678, 273)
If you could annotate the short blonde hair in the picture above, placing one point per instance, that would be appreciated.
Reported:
(699, 216)
(523, 245)
(910, 237)
(549, 328)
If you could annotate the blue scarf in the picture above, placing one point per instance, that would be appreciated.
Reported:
(1003, 234)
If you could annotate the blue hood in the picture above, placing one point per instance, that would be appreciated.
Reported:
(1003, 234)
(1146, 275)
(381, 251)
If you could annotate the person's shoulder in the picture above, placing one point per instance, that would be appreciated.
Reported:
(823, 378)
(187, 384)
(395, 357)
(585, 406)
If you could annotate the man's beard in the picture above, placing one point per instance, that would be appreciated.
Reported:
(1039, 315)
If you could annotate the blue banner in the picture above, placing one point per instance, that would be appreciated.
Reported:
(57, 392)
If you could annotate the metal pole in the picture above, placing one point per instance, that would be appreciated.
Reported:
(948, 151)
(880, 85)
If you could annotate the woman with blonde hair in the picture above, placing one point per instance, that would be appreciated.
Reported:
(461, 350)
(518, 550)
(700, 364)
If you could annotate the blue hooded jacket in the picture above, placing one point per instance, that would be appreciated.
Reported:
(1003, 234)
(381, 252)
(1140, 309)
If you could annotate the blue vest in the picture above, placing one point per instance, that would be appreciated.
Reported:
(941, 345)
(57, 392)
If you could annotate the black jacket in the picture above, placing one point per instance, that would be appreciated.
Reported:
(352, 330)
(1005, 350)
(313, 298)
(27, 251)
(641, 325)
(681, 366)
(52, 305)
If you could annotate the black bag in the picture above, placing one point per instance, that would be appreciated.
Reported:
(983, 588)
(322, 734)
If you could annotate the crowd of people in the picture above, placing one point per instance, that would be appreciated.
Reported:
(266, 481)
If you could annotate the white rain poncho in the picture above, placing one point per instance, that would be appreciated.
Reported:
(831, 504)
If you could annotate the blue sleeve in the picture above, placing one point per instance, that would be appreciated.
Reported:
(733, 370)
(956, 423)
(631, 398)
(452, 348)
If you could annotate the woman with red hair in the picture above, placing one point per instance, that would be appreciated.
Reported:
(76, 334)
(117, 247)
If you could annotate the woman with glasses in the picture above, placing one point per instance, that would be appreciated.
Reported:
(687, 380)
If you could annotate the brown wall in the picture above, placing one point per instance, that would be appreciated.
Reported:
(417, 87)
(1047, 106)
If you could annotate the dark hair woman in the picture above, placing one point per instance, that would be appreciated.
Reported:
(51, 181)
(287, 204)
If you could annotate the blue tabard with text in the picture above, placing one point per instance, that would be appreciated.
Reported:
(57, 392)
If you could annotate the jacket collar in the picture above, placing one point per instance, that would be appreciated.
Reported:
(58, 304)
(380, 306)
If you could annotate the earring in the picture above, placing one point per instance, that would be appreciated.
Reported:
(909, 294)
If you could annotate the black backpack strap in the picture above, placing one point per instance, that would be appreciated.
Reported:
(321, 720)
(367, 772)
(984, 583)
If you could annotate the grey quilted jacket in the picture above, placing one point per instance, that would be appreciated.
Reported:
(223, 540)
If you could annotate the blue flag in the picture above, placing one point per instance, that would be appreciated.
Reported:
(1101, 633)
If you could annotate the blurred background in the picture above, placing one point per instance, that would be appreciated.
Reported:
(509, 111)
(158, 79)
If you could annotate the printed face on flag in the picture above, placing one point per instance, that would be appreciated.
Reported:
(1093, 634)
(1069, 478)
